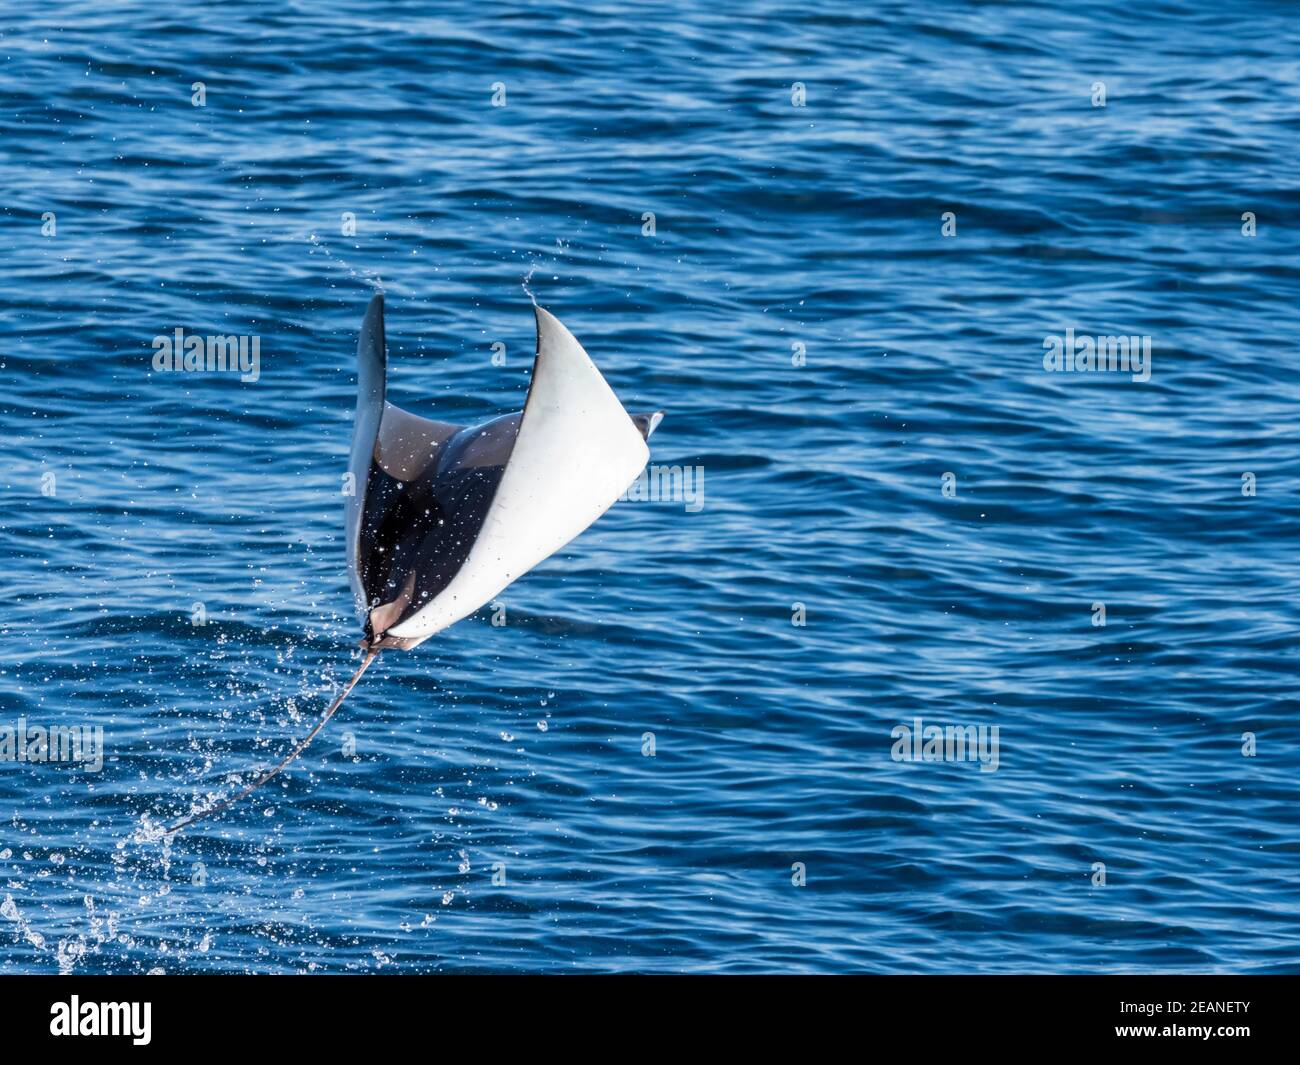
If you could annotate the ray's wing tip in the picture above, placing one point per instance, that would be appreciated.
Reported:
(544, 317)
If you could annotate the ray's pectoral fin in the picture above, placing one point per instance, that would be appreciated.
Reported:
(574, 452)
(372, 355)
(400, 443)
(400, 500)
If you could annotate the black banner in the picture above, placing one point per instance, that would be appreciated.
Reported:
(1224, 1014)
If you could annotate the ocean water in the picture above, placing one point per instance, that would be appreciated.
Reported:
(903, 516)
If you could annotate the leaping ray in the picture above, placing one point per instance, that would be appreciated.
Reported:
(445, 517)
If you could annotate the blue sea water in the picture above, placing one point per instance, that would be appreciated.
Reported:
(486, 801)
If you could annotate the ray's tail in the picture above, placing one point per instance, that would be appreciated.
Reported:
(302, 746)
